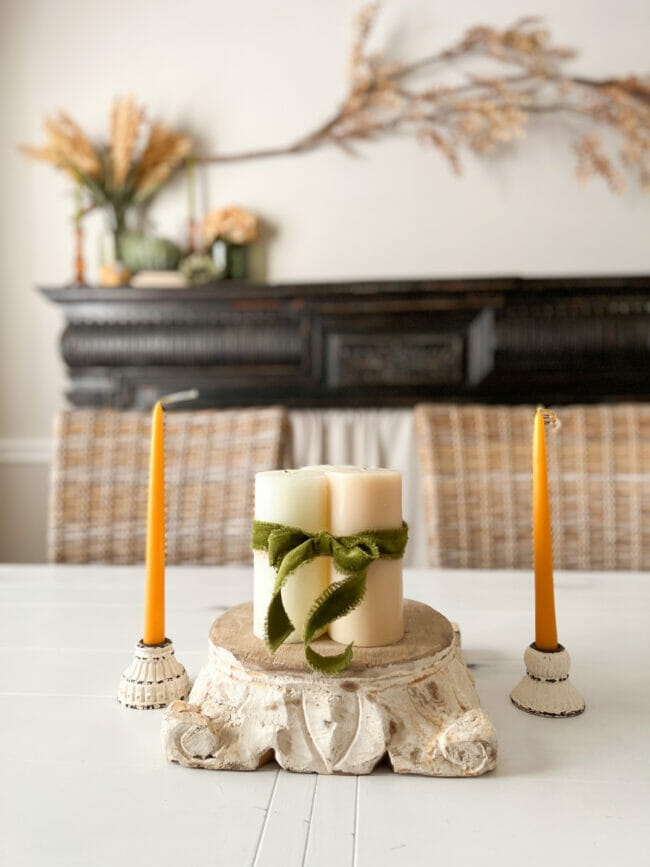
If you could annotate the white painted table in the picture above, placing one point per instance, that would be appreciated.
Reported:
(83, 781)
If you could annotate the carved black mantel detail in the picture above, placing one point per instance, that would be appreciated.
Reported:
(370, 343)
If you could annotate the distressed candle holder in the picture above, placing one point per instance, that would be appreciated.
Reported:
(154, 679)
(413, 702)
(545, 689)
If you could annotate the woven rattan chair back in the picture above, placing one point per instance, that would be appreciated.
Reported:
(477, 485)
(98, 492)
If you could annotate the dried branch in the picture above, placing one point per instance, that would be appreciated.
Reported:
(481, 113)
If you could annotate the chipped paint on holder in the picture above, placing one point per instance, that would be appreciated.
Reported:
(154, 679)
(545, 689)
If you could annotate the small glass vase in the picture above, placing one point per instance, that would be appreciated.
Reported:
(107, 248)
(230, 259)
(112, 273)
(237, 261)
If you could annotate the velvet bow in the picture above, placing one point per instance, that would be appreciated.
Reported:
(290, 547)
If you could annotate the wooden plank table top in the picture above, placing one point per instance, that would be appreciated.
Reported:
(84, 780)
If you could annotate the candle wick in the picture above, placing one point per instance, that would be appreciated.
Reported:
(549, 418)
(179, 396)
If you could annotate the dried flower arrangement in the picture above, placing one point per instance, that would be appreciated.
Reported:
(479, 113)
(521, 78)
(233, 224)
(118, 175)
(482, 112)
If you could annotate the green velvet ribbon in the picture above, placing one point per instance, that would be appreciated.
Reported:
(289, 548)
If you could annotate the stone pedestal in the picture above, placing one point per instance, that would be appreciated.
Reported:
(413, 701)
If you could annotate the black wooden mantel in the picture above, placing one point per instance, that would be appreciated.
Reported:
(385, 343)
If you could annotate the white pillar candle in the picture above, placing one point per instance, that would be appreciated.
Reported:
(369, 499)
(298, 499)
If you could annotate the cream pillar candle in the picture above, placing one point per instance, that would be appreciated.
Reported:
(369, 499)
(299, 499)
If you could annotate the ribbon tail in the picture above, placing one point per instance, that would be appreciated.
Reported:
(335, 602)
(329, 664)
(277, 626)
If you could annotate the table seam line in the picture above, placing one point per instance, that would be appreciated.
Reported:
(355, 842)
(266, 819)
(311, 815)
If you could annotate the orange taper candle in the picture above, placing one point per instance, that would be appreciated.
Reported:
(154, 604)
(545, 628)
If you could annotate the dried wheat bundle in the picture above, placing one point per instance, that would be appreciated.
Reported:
(114, 175)
(165, 150)
(126, 118)
(67, 148)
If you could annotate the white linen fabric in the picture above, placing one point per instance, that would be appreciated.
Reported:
(364, 437)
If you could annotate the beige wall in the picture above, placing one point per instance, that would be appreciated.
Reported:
(23, 511)
(251, 73)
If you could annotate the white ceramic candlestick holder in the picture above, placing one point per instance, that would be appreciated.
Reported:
(154, 679)
(545, 689)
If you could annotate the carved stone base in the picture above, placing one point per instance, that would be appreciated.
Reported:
(413, 701)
